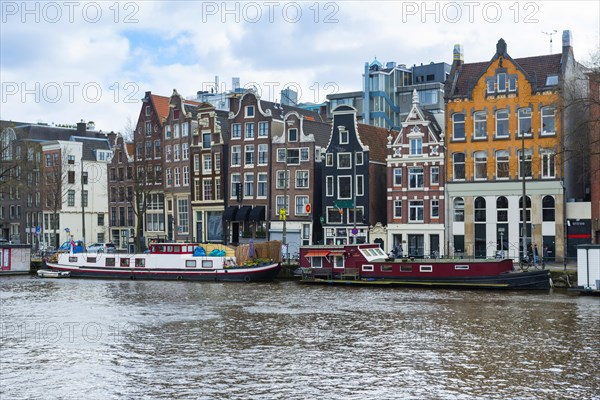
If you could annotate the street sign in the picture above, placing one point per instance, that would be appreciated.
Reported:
(308, 208)
(343, 203)
(354, 231)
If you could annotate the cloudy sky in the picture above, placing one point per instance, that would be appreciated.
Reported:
(61, 62)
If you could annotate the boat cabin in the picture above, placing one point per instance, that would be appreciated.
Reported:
(172, 248)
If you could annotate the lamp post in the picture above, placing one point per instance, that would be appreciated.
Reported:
(82, 203)
(354, 196)
(501, 230)
(524, 200)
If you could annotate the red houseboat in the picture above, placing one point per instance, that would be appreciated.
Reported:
(367, 264)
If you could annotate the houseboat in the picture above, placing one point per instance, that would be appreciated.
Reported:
(367, 264)
(170, 261)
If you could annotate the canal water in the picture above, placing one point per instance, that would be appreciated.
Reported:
(99, 339)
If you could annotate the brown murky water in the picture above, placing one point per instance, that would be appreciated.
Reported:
(94, 339)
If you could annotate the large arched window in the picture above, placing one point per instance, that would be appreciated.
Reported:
(480, 209)
(7, 138)
(527, 208)
(502, 209)
(548, 208)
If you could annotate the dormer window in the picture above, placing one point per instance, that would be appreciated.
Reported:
(552, 80)
(344, 138)
(175, 114)
(512, 83)
(147, 111)
(293, 135)
(416, 146)
(249, 111)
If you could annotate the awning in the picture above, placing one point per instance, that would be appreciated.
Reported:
(316, 253)
(336, 253)
(242, 213)
(229, 213)
(257, 214)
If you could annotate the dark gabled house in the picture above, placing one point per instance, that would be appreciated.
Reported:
(121, 191)
(354, 178)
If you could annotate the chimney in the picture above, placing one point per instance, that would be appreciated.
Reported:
(81, 128)
(567, 39)
(457, 55)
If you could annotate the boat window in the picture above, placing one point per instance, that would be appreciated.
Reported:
(316, 262)
(72, 259)
(207, 264)
(386, 268)
(169, 249)
(140, 262)
(338, 262)
(190, 248)
(425, 268)
(124, 262)
(405, 268)
(110, 262)
(177, 249)
(367, 268)
(159, 249)
(190, 263)
(457, 267)
(91, 259)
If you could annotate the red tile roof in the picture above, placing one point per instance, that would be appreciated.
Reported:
(376, 139)
(161, 105)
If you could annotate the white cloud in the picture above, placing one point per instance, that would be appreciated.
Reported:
(183, 45)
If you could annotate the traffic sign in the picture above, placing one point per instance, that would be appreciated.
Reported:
(343, 203)
(282, 214)
(354, 231)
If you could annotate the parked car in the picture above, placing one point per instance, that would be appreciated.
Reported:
(101, 248)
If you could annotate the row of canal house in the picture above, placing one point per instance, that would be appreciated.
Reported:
(269, 171)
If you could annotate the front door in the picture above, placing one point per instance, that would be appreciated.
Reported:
(235, 232)
(416, 245)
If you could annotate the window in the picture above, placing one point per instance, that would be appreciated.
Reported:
(333, 216)
(490, 85)
(502, 164)
(182, 223)
(416, 146)
(85, 198)
(480, 165)
(434, 177)
(281, 155)
(301, 202)
(236, 131)
(344, 187)
(263, 129)
(176, 152)
(168, 131)
(206, 163)
(249, 111)
(206, 140)
(525, 161)
(282, 202)
(501, 123)
(512, 83)
(459, 209)
(435, 208)
(218, 195)
(524, 121)
(249, 130)
(148, 128)
(261, 190)
(71, 198)
(548, 164)
(70, 158)
(283, 179)
(263, 154)
(235, 183)
(358, 158)
(548, 121)
(304, 154)
(480, 118)
(248, 185)
(548, 208)
(301, 179)
(458, 126)
(176, 129)
(329, 160)
(292, 135)
(344, 161)
(502, 209)
(71, 177)
(479, 209)
(344, 137)
(169, 176)
(217, 161)
(415, 211)
(157, 149)
(236, 155)
(329, 186)
(360, 185)
(185, 129)
(293, 156)
(398, 209)
(185, 151)
(415, 177)
(249, 154)
(207, 189)
(177, 174)
(186, 176)
(459, 166)
(397, 176)
(168, 152)
(501, 82)
(527, 208)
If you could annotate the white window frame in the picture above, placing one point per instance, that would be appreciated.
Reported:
(413, 205)
(434, 175)
(504, 160)
(237, 149)
(397, 174)
(249, 112)
(339, 182)
(479, 158)
(236, 131)
(455, 123)
(498, 133)
(301, 205)
(263, 129)
(397, 207)
(300, 178)
(249, 132)
(434, 205)
(520, 118)
(480, 121)
(344, 155)
(329, 186)
(553, 117)
(413, 171)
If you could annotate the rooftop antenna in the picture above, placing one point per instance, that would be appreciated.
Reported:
(550, 34)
